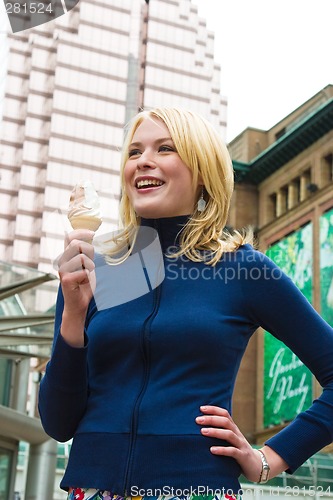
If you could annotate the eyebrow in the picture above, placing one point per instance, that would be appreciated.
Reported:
(159, 141)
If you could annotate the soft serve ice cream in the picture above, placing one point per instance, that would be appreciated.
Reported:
(84, 207)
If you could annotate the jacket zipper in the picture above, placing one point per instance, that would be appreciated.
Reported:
(144, 334)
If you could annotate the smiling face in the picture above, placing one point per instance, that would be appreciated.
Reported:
(157, 182)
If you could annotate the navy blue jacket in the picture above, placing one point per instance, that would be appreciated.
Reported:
(129, 398)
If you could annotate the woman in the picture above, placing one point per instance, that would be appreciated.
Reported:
(145, 387)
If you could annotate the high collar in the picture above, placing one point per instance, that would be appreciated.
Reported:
(168, 229)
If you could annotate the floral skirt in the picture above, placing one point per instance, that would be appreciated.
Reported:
(92, 494)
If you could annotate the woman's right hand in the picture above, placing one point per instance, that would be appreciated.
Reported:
(77, 276)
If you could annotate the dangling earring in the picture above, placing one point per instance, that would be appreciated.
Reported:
(201, 202)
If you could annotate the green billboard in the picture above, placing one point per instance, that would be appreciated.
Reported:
(287, 382)
(326, 266)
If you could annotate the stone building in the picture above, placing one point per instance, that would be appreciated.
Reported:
(284, 190)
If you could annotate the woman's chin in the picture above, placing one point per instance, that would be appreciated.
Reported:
(157, 211)
(153, 213)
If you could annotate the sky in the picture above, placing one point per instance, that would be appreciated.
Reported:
(274, 56)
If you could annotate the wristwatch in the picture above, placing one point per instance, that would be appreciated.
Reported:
(264, 475)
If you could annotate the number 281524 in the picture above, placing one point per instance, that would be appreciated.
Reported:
(28, 8)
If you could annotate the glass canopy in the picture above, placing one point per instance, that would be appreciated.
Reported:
(27, 302)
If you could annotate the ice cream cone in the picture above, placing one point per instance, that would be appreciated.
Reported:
(85, 222)
(83, 210)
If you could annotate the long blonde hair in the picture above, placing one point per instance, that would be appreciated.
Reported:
(202, 149)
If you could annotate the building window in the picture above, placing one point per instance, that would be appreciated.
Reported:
(326, 170)
(297, 183)
(293, 193)
(6, 464)
(271, 207)
(297, 190)
(6, 374)
(305, 181)
(282, 201)
(280, 133)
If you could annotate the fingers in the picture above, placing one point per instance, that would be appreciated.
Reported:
(212, 421)
(75, 248)
(75, 279)
(218, 424)
(226, 434)
(79, 234)
(76, 263)
(215, 410)
(216, 417)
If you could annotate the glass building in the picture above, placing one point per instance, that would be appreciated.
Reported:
(70, 87)
(67, 89)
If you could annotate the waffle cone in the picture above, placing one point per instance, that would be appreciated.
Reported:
(85, 222)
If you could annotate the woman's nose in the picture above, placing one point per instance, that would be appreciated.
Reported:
(146, 160)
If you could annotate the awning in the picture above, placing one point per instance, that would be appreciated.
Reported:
(25, 330)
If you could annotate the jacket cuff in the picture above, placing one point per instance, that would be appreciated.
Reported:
(299, 441)
(67, 367)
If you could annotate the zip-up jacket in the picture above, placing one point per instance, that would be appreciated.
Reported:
(130, 396)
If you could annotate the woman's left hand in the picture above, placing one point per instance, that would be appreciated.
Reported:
(217, 423)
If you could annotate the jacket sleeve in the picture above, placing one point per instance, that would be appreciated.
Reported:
(279, 307)
(63, 390)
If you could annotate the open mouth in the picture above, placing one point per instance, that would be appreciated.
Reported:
(148, 183)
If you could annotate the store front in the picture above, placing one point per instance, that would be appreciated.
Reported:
(8, 453)
(25, 342)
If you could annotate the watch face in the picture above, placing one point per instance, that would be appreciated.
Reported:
(265, 469)
(265, 473)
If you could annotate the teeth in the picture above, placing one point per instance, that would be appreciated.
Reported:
(149, 182)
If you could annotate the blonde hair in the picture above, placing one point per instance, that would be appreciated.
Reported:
(202, 149)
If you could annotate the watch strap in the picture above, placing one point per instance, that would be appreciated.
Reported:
(264, 475)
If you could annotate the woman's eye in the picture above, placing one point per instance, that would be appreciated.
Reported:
(166, 148)
(134, 152)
